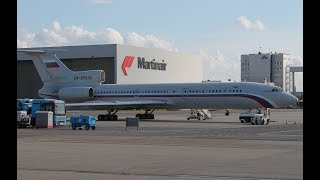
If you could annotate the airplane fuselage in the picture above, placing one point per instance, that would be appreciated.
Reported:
(217, 95)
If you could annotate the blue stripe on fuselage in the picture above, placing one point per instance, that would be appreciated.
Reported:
(260, 100)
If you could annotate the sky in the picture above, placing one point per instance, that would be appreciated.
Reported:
(220, 31)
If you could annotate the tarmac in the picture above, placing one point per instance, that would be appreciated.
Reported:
(168, 147)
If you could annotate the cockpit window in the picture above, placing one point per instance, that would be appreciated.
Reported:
(277, 89)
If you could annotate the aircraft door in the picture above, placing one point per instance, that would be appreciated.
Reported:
(184, 94)
(136, 93)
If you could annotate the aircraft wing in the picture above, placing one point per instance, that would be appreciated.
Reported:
(123, 105)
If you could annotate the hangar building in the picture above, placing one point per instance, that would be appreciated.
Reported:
(122, 64)
(268, 67)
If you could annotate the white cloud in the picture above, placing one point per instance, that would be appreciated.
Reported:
(76, 35)
(220, 67)
(101, 1)
(56, 26)
(247, 24)
(110, 35)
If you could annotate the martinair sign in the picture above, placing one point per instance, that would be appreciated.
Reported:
(142, 64)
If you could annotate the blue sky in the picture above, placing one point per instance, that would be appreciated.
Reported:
(219, 30)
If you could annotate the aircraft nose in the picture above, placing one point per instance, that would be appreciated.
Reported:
(292, 100)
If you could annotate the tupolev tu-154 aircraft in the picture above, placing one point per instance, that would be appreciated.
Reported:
(84, 90)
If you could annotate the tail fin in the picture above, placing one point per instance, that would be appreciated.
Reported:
(49, 67)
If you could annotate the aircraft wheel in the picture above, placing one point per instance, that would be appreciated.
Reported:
(93, 127)
(113, 117)
(106, 117)
(87, 127)
(143, 116)
(100, 117)
(73, 127)
(150, 116)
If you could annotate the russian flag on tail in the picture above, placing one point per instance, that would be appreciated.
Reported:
(51, 64)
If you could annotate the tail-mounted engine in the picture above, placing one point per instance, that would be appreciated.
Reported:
(76, 93)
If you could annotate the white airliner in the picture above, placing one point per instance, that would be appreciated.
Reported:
(84, 90)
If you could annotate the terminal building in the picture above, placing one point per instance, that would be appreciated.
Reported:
(122, 64)
(262, 67)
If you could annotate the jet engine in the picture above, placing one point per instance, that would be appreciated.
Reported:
(76, 93)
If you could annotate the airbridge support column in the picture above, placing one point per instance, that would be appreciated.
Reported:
(293, 70)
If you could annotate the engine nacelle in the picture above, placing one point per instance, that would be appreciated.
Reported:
(76, 93)
(90, 76)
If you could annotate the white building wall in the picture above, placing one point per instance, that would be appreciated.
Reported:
(281, 70)
(245, 68)
(175, 67)
(256, 67)
(274, 67)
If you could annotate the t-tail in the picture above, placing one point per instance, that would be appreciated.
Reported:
(58, 80)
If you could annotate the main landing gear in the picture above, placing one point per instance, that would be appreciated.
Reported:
(111, 116)
(146, 115)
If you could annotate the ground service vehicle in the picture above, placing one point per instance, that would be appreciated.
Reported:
(247, 114)
(80, 121)
(23, 120)
(56, 106)
(24, 105)
(261, 119)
